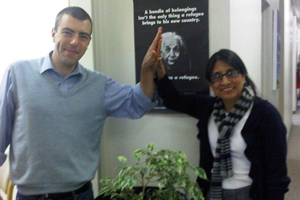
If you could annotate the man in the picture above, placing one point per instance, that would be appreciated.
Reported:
(52, 112)
(174, 54)
(172, 48)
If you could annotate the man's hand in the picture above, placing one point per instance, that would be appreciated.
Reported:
(151, 60)
(153, 53)
(158, 65)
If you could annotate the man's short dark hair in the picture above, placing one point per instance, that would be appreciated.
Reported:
(76, 12)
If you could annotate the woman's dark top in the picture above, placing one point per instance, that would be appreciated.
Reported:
(263, 132)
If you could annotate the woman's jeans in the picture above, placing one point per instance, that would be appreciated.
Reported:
(235, 194)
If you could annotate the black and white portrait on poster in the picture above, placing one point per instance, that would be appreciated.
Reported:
(185, 42)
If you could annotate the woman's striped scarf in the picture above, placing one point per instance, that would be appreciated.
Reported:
(222, 166)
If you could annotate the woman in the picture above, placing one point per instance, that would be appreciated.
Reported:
(242, 137)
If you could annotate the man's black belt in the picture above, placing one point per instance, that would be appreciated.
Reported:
(56, 196)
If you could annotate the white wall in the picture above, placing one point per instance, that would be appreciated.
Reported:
(283, 98)
(294, 63)
(245, 34)
(219, 31)
(26, 29)
(288, 77)
(267, 54)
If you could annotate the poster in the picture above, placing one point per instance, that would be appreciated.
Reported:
(184, 45)
(276, 48)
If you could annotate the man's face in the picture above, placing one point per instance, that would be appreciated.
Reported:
(71, 39)
(170, 50)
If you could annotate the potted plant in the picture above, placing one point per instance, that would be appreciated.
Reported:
(169, 169)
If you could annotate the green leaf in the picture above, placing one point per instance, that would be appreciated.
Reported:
(122, 159)
(124, 184)
(162, 183)
(104, 181)
(122, 172)
(106, 191)
(138, 152)
(169, 169)
(150, 146)
(200, 172)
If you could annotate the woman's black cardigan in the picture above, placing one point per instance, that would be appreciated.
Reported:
(263, 132)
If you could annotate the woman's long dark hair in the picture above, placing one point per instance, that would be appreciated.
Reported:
(232, 59)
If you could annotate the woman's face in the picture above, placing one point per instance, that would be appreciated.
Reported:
(228, 89)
